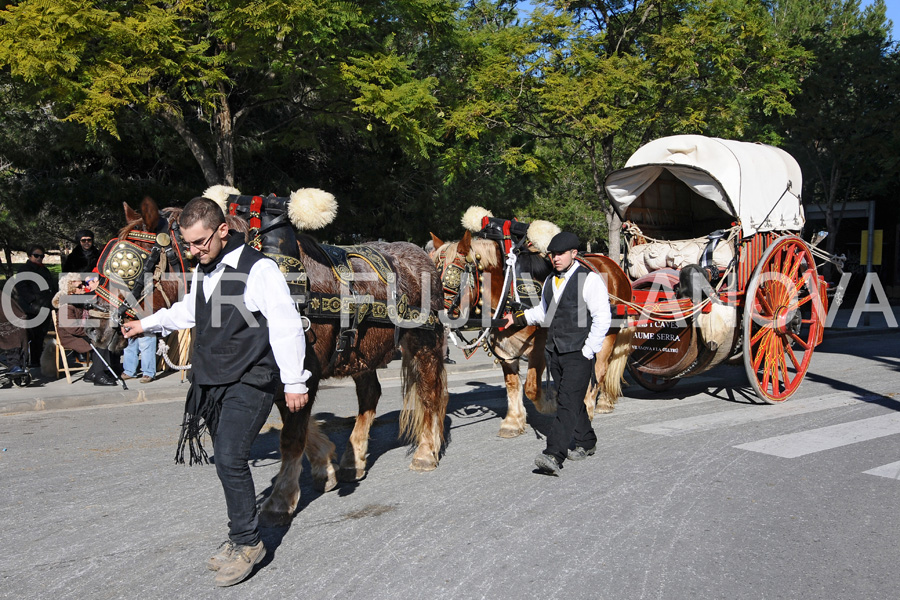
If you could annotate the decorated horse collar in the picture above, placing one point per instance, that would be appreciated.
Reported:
(461, 273)
(124, 263)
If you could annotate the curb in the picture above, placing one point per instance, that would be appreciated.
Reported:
(170, 393)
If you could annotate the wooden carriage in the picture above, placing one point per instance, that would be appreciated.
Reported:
(717, 264)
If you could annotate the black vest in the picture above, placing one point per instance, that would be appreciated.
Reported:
(231, 343)
(570, 319)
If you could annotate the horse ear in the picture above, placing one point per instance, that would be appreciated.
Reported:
(465, 244)
(130, 214)
(150, 213)
(436, 241)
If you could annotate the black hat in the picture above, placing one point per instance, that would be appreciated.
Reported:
(83, 233)
(563, 241)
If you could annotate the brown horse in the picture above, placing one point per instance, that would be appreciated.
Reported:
(515, 343)
(374, 344)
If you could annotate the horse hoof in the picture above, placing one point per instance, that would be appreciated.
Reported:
(603, 410)
(274, 519)
(325, 484)
(422, 465)
(351, 475)
(511, 432)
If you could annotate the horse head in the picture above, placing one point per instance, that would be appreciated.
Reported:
(142, 270)
(471, 271)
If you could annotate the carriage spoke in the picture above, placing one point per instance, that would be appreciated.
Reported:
(793, 357)
(800, 341)
(764, 304)
(784, 370)
(760, 351)
(762, 331)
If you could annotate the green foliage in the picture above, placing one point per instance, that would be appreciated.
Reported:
(412, 110)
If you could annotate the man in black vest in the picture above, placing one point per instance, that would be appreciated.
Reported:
(248, 339)
(575, 308)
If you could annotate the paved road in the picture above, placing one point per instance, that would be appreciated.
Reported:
(698, 492)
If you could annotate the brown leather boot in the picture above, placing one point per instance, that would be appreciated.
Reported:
(239, 566)
(222, 555)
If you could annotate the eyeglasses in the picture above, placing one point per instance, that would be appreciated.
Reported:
(85, 240)
(38, 255)
(202, 245)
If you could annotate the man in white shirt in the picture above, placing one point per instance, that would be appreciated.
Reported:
(575, 309)
(248, 339)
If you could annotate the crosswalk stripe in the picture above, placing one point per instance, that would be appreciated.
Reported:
(891, 471)
(740, 416)
(801, 443)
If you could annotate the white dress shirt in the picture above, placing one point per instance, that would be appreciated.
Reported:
(266, 292)
(596, 298)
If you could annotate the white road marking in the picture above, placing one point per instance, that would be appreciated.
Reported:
(749, 414)
(802, 443)
(891, 471)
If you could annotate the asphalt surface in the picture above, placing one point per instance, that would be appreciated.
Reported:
(698, 492)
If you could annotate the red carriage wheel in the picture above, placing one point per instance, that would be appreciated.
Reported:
(782, 315)
(654, 383)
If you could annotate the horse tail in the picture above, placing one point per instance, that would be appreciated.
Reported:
(612, 382)
(424, 387)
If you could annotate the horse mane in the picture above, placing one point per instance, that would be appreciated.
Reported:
(310, 246)
(487, 249)
(535, 264)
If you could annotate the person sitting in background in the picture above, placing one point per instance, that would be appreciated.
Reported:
(73, 316)
(145, 348)
(84, 256)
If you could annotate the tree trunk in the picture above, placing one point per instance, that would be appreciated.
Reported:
(613, 223)
(224, 128)
(615, 234)
(207, 164)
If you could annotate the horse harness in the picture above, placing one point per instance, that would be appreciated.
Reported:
(353, 309)
(463, 273)
(126, 264)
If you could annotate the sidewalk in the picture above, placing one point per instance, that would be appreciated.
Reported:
(44, 394)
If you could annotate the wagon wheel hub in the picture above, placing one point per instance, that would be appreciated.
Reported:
(785, 320)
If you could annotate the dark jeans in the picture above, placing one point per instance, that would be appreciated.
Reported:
(572, 373)
(244, 412)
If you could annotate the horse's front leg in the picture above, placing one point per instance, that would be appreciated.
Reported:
(368, 392)
(296, 431)
(514, 423)
(601, 363)
(537, 364)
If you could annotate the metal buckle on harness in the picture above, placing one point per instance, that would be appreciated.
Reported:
(346, 339)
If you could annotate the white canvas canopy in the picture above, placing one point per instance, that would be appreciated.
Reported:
(758, 184)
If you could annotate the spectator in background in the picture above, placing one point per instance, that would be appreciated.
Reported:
(72, 317)
(83, 257)
(33, 289)
(145, 348)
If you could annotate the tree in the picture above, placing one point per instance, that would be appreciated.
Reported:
(216, 72)
(586, 83)
(843, 132)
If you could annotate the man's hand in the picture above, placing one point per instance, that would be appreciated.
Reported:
(509, 321)
(132, 328)
(295, 401)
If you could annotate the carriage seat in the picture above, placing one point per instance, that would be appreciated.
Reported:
(675, 254)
